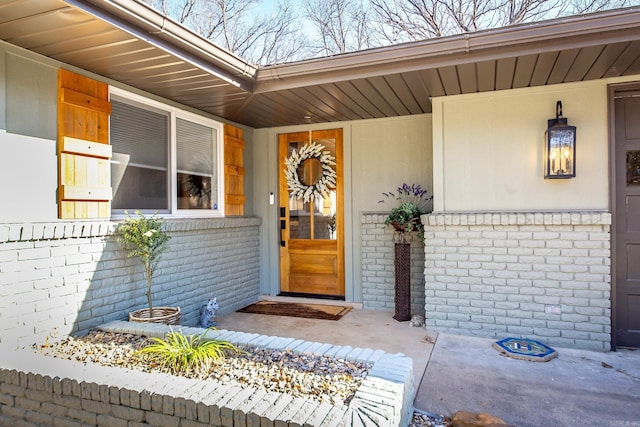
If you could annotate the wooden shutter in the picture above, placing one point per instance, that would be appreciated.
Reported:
(84, 171)
(233, 171)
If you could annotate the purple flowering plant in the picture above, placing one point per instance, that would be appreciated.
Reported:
(412, 202)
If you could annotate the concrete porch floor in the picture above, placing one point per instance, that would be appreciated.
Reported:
(454, 373)
(358, 328)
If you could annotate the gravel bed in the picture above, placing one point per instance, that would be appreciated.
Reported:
(324, 379)
(426, 419)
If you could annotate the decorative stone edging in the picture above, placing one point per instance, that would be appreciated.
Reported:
(23, 232)
(43, 385)
(517, 218)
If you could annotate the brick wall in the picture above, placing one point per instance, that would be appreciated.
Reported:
(61, 278)
(378, 269)
(536, 275)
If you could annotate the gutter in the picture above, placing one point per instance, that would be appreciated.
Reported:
(620, 25)
(147, 24)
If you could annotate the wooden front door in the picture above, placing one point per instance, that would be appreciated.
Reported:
(311, 222)
(627, 190)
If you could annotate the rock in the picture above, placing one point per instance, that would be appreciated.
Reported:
(320, 378)
(417, 320)
(471, 419)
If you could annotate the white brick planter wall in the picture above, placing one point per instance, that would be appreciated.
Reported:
(37, 390)
(536, 275)
(378, 269)
(64, 278)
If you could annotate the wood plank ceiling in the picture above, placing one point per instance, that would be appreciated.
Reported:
(119, 39)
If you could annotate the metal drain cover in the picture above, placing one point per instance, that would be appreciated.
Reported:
(525, 349)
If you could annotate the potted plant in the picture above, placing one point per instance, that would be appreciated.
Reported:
(405, 219)
(144, 238)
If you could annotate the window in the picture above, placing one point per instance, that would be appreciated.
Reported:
(164, 159)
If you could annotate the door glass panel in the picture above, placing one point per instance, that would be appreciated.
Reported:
(299, 219)
(316, 218)
(633, 167)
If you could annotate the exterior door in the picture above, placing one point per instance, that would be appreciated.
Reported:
(311, 213)
(627, 187)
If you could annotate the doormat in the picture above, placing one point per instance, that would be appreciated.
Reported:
(525, 349)
(309, 311)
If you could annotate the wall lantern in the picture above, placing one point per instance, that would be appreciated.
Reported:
(560, 147)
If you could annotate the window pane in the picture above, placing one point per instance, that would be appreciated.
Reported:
(139, 138)
(633, 167)
(196, 160)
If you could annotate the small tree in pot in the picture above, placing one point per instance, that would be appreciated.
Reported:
(144, 238)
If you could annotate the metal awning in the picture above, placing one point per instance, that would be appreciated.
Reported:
(129, 42)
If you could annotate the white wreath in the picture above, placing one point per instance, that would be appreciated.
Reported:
(323, 186)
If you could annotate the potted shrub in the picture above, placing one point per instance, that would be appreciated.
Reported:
(145, 239)
(405, 218)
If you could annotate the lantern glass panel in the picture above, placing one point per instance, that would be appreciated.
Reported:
(561, 151)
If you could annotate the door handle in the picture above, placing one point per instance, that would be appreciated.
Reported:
(283, 224)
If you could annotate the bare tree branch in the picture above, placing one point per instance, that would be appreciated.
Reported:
(406, 20)
(578, 7)
(236, 26)
(340, 26)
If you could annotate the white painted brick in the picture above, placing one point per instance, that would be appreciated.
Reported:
(600, 320)
(470, 310)
(564, 326)
(480, 243)
(513, 321)
(33, 253)
(574, 268)
(505, 290)
(234, 267)
(599, 236)
(535, 244)
(576, 335)
(520, 330)
(595, 278)
(493, 312)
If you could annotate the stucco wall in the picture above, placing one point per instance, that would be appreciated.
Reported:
(28, 178)
(379, 155)
(62, 278)
(488, 150)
